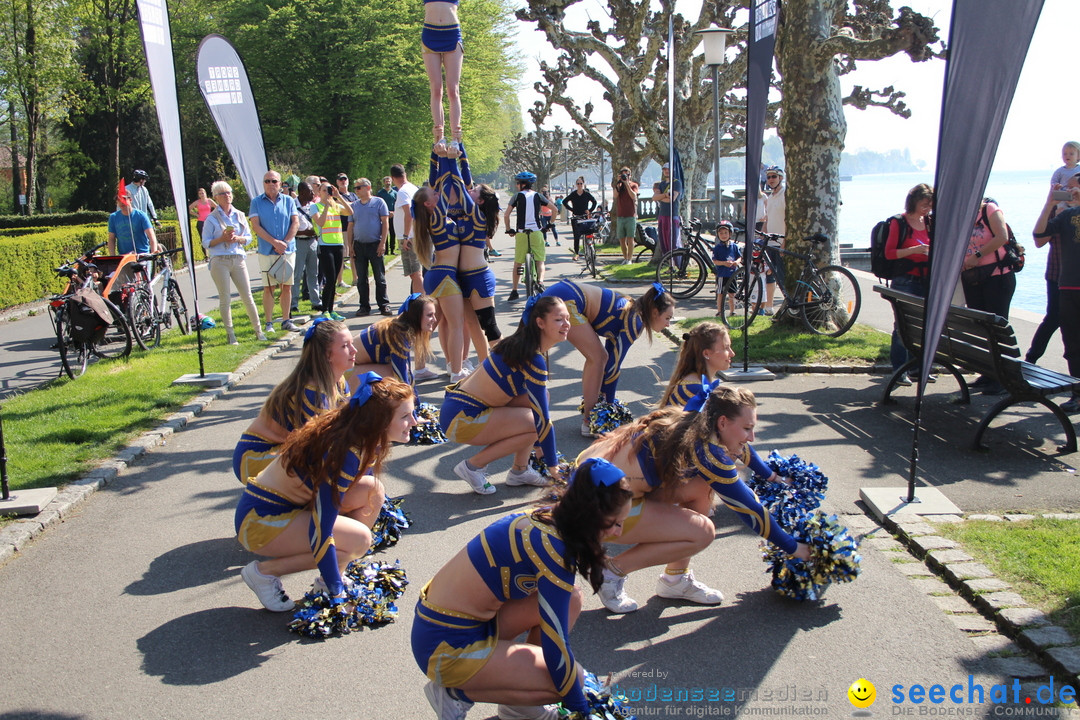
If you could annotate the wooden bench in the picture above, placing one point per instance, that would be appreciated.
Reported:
(983, 343)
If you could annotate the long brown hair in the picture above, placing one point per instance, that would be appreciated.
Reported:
(691, 357)
(660, 429)
(317, 451)
(409, 326)
(653, 302)
(519, 348)
(584, 510)
(422, 218)
(286, 401)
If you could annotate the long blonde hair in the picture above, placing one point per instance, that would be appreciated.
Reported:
(692, 356)
(286, 401)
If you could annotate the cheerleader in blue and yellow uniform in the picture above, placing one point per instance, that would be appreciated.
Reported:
(706, 351)
(387, 346)
(669, 522)
(503, 405)
(517, 576)
(314, 505)
(438, 246)
(315, 386)
(604, 324)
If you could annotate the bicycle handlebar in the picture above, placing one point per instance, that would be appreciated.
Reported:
(162, 253)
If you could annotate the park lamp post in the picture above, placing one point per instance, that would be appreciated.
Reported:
(714, 40)
(566, 159)
(603, 128)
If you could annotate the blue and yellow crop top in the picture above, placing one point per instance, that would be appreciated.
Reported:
(324, 513)
(469, 223)
(385, 350)
(517, 558)
(531, 381)
(685, 391)
(314, 403)
(712, 463)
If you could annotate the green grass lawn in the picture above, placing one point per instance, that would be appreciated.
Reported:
(57, 432)
(1039, 558)
(781, 343)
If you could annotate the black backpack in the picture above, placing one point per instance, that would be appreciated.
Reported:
(1014, 256)
(881, 266)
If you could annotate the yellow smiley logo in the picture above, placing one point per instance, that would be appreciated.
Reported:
(862, 693)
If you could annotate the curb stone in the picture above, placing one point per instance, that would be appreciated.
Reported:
(999, 621)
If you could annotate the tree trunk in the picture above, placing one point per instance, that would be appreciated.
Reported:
(812, 124)
(16, 176)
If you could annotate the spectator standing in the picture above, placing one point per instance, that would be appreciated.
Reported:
(275, 219)
(775, 223)
(199, 209)
(1070, 155)
(328, 213)
(389, 196)
(909, 240)
(626, 197)
(988, 284)
(130, 230)
(368, 229)
(225, 233)
(410, 265)
(306, 270)
(666, 193)
(726, 259)
(140, 197)
(581, 204)
(1066, 225)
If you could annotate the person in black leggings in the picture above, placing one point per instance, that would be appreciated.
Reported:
(581, 203)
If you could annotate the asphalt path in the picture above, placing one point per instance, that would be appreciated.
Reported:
(133, 607)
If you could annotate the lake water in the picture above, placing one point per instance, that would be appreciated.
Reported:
(867, 199)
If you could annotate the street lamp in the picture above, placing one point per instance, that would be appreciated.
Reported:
(566, 160)
(715, 41)
(603, 128)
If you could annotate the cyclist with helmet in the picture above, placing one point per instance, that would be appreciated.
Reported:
(140, 197)
(775, 223)
(526, 205)
(726, 260)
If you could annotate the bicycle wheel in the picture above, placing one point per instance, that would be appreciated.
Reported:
(603, 234)
(145, 327)
(178, 307)
(832, 301)
(589, 254)
(682, 273)
(117, 340)
(748, 299)
(530, 276)
(73, 355)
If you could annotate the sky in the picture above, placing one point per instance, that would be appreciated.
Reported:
(1032, 137)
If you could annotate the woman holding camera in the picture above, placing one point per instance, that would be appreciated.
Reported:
(626, 197)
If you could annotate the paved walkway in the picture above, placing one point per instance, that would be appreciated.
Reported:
(132, 606)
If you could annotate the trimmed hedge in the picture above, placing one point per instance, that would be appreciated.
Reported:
(83, 217)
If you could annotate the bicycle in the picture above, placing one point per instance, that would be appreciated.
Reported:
(587, 228)
(527, 271)
(80, 331)
(827, 298)
(153, 303)
(685, 270)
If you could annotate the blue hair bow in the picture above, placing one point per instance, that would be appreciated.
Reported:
(529, 305)
(310, 332)
(363, 393)
(698, 401)
(603, 473)
(405, 305)
(658, 288)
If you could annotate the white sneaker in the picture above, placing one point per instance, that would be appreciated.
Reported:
(586, 431)
(269, 328)
(528, 712)
(528, 476)
(445, 707)
(424, 373)
(477, 479)
(267, 588)
(459, 376)
(613, 595)
(467, 364)
(687, 588)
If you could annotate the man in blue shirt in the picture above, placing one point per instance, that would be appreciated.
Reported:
(130, 229)
(368, 228)
(275, 219)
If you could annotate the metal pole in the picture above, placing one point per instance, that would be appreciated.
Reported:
(603, 181)
(3, 463)
(716, 130)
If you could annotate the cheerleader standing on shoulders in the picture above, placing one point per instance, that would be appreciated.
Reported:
(315, 504)
(503, 406)
(603, 326)
(706, 351)
(517, 576)
(315, 386)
